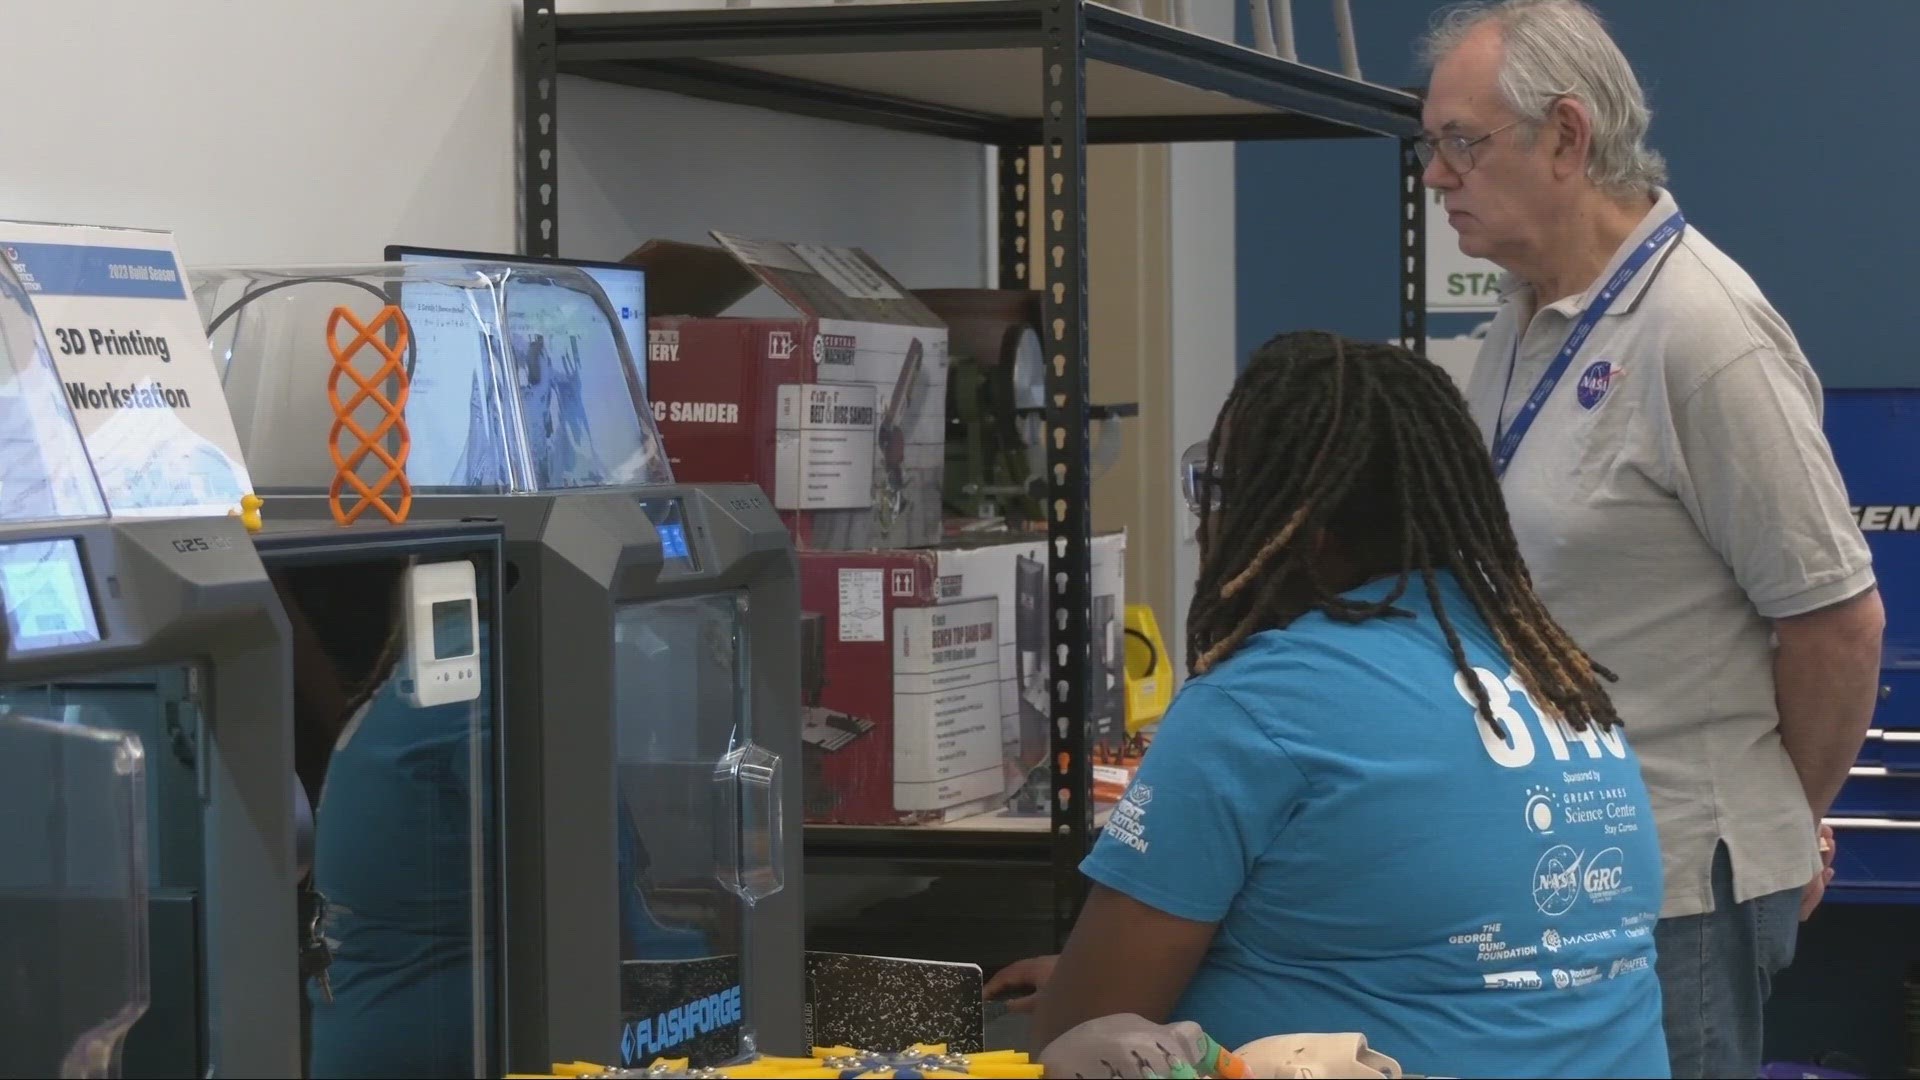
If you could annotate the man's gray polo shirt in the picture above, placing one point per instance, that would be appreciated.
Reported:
(1674, 495)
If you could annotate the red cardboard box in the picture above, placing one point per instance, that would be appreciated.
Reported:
(837, 411)
(925, 677)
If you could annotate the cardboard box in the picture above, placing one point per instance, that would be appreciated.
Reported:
(837, 411)
(926, 676)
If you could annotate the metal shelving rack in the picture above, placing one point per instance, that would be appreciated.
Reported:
(1054, 74)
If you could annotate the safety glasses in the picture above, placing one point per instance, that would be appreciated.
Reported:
(1201, 497)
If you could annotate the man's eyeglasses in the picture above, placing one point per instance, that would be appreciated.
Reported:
(1193, 471)
(1455, 150)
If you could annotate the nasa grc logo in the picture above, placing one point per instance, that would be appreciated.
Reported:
(1595, 382)
(1556, 880)
(1605, 876)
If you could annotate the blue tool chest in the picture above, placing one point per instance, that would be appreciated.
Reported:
(1875, 436)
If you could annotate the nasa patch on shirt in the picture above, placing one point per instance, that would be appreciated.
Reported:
(1596, 382)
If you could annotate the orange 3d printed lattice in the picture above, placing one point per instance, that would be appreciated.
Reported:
(392, 424)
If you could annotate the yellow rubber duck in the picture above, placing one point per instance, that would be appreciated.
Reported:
(249, 512)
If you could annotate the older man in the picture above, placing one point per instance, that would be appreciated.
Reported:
(1658, 434)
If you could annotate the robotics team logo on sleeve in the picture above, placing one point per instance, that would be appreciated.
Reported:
(1128, 822)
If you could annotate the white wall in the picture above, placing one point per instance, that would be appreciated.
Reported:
(291, 131)
(1205, 357)
(637, 165)
(266, 130)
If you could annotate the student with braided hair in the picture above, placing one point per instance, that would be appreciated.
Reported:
(1393, 797)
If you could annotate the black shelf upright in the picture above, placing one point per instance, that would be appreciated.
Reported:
(1057, 75)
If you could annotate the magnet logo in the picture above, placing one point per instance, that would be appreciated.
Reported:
(1595, 382)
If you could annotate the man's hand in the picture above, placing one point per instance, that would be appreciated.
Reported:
(1817, 888)
(1030, 974)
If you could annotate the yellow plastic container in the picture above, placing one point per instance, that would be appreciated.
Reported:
(1150, 671)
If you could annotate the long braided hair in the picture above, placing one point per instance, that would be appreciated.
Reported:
(1371, 448)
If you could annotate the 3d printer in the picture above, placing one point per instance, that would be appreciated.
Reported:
(650, 628)
(162, 635)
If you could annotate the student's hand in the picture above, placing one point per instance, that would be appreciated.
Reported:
(1130, 1046)
(1030, 974)
(1817, 888)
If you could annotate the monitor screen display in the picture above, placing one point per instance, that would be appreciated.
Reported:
(625, 286)
(575, 404)
(47, 601)
(669, 517)
(452, 629)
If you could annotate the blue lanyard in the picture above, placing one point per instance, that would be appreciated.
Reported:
(1507, 442)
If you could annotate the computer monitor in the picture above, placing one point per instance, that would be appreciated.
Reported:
(625, 286)
(574, 398)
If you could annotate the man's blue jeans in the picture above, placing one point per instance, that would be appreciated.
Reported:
(1716, 972)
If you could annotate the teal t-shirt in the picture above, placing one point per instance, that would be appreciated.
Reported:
(1378, 860)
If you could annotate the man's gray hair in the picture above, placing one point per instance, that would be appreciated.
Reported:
(1555, 48)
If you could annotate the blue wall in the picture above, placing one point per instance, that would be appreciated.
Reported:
(1788, 127)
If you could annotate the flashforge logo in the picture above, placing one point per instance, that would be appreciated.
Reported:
(644, 1038)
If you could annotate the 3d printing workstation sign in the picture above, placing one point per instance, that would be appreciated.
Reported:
(134, 366)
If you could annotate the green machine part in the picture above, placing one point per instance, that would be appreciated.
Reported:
(989, 474)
